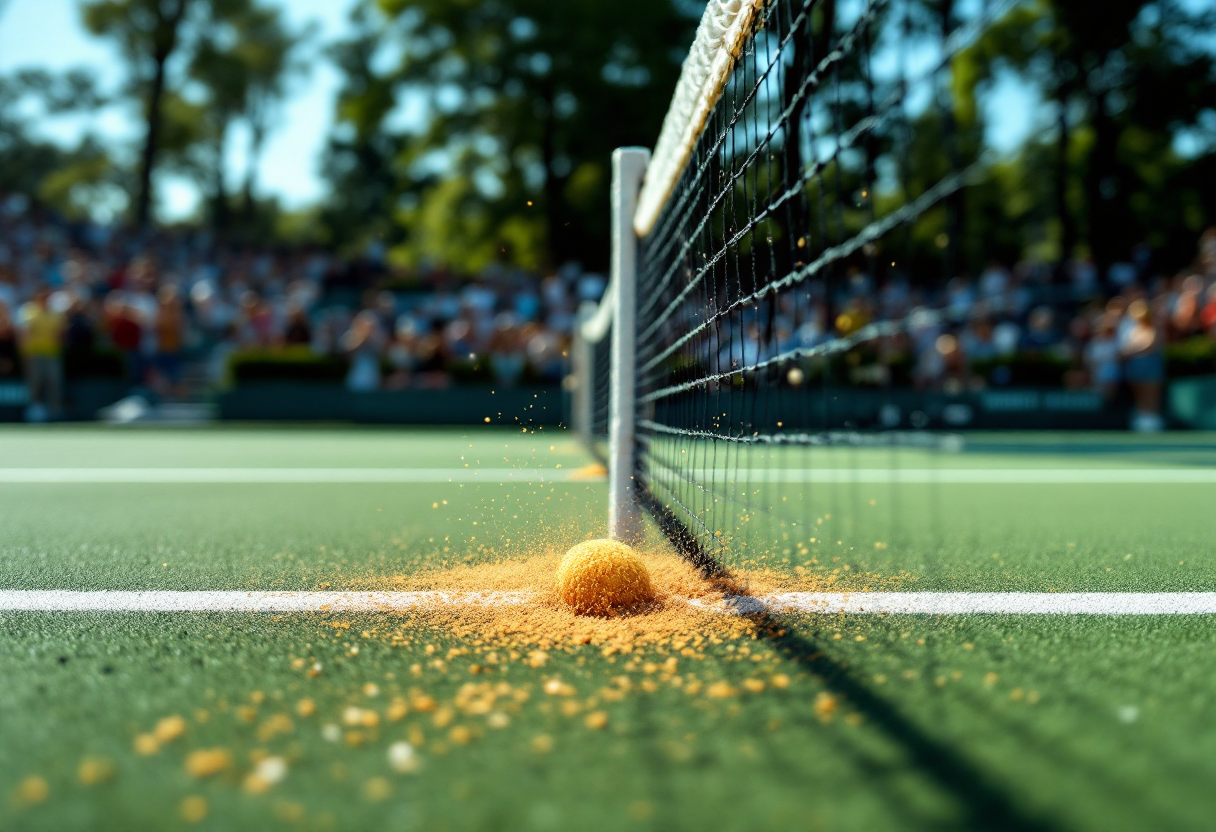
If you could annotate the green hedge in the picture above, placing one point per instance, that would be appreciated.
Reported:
(1022, 370)
(285, 364)
(96, 363)
(1193, 357)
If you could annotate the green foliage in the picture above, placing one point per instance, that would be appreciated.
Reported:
(1192, 357)
(521, 103)
(1025, 370)
(285, 364)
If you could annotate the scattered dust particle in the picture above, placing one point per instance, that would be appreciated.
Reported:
(376, 789)
(265, 774)
(556, 687)
(542, 743)
(146, 744)
(780, 680)
(31, 790)
(596, 719)
(206, 762)
(641, 810)
(306, 708)
(169, 729)
(754, 685)
(397, 710)
(825, 705)
(94, 770)
(289, 812)
(402, 757)
(193, 809)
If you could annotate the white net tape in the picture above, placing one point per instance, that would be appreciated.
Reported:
(720, 36)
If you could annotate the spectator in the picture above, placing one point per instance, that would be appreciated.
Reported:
(507, 356)
(10, 360)
(1102, 357)
(79, 338)
(1144, 367)
(170, 339)
(42, 356)
(298, 331)
(126, 334)
(361, 343)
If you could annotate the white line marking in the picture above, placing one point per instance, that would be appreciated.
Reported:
(852, 603)
(58, 600)
(981, 603)
(289, 475)
(912, 476)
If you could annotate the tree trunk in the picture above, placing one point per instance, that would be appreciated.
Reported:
(147, 161)
(1068, 229)
(956, 202)
(220, 214)
(553, 183)
(165, 42)
(1099, 203)
(257, 138)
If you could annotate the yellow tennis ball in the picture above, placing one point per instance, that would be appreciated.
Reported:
(601, 577)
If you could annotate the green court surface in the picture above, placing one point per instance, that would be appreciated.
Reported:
(839, 722)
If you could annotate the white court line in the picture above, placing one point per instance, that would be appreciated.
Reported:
(913, 476)
(289, 475)
(58, 600)
(852, 603)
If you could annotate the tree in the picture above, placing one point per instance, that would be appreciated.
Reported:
(148, 33)
(78, 180)
(522, 102)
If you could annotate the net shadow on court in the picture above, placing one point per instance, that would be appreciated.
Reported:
(984, 803)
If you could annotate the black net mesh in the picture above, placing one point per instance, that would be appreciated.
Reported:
(776, 291)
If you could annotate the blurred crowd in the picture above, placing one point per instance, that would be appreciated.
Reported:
(1027, 324)
(175, 311)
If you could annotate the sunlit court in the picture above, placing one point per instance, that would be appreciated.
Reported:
(753, 415)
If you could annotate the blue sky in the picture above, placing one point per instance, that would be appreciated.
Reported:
(49, 34)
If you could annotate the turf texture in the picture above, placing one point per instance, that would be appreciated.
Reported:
(981, 722)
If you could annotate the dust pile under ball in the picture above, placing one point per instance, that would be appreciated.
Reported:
(602, 577)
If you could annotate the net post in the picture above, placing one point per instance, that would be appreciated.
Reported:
(624, 510)
(582, 371)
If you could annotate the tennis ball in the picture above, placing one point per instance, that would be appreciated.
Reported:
(601, 577)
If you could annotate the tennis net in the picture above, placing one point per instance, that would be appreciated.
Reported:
(765, 314)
